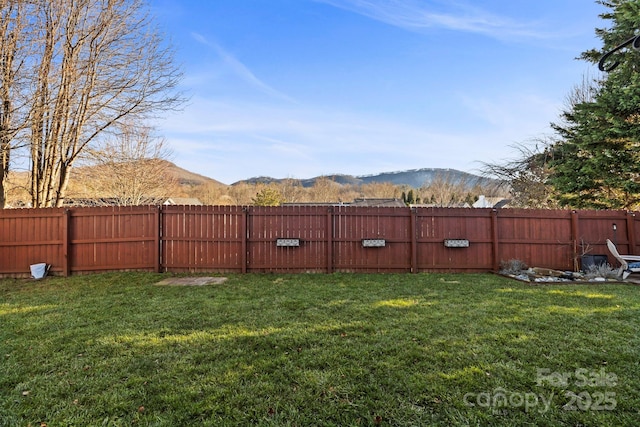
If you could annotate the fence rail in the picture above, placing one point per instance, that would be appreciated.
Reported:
(318, 238)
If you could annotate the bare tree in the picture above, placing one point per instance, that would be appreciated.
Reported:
(444, 190)
(325, 190)
(13, 16)
(526, 176)
(583, 92)
(211, 194)
(131, 168)
(380, 190)
(242, 193)
(291, 190)
(98, 62)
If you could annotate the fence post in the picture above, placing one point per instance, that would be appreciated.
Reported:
(245, 236)
(413, 213)
(631, 232)
(574, 239)
(157, 251)
(66, 239)
(494, 239)
(329, 241)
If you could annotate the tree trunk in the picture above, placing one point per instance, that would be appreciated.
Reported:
(10, 29)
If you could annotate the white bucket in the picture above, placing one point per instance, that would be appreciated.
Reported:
(38, 271)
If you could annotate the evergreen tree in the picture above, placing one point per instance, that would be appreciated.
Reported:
(268, 196)
(597, 159)
(410, 200)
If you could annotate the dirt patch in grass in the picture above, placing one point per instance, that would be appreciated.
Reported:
(192, 281)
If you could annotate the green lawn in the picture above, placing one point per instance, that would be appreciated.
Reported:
(305, 350)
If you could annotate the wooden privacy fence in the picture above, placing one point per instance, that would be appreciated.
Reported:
(303, 238)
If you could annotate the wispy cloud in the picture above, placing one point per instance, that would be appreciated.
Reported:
(235, 139)
(241, 70)
(417, 15)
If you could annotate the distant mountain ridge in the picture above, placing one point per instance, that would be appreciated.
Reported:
(188, 178)
(414, 178)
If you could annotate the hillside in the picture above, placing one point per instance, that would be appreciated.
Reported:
(85, 183)
(187, 178)
(414, 178)
(174, 181)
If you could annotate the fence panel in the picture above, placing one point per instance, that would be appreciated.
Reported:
(202, 238)
(435, 225)
(304, 228)
(113, 238)
(541, 238)
(31, 236)
(597, 226)
(352, 226)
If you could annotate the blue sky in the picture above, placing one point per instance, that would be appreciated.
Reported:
(301, 88)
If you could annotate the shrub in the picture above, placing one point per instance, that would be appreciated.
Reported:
(601, 270)
(512, 266)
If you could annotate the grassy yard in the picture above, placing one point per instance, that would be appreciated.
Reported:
(318, 350)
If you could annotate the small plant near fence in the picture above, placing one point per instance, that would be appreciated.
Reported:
(601, 270)
(513, 267)
(520, 270)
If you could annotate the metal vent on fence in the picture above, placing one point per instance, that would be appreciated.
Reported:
(374, 243)
(288, 243)
(456, 243)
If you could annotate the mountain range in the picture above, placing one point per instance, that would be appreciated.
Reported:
(414, 178)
